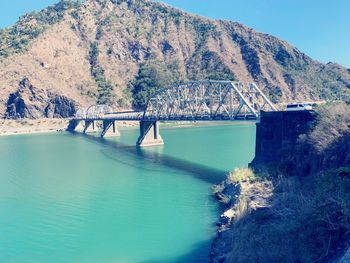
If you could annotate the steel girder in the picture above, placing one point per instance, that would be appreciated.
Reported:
(80, 114)
(95, 112)
(208, 100)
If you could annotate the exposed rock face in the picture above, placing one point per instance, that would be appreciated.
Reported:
(77, 49)
(60, 107)
(31, 102)
(26, 102)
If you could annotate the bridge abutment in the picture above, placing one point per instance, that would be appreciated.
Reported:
(149, 134)
(278, 131)
(109, 129)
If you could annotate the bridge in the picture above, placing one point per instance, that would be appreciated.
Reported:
(193, 101)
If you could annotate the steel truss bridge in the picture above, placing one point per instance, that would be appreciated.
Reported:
(193, 101)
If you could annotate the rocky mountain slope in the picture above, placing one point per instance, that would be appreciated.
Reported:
(90, 52)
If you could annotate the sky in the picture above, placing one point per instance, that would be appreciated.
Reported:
(319, 28)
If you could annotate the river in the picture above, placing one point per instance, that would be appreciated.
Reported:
(75, 198)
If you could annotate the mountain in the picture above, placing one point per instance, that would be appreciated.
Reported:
(76, 54)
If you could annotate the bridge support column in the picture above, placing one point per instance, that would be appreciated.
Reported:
(149, 134)
(80, 127)
(109, 129)
(90, 126)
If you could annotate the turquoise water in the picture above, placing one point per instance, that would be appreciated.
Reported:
(74, 198)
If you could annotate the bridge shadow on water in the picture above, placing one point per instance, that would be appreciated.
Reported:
(202, 172)
(199, 253)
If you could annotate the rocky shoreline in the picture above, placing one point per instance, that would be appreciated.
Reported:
(240, 194)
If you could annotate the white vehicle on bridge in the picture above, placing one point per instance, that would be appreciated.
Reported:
(299, 107)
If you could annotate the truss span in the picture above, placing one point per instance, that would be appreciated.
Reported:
(208, 100)
(98, 111)
(201, 100)
(80, 114)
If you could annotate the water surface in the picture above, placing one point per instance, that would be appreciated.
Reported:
(73, 198)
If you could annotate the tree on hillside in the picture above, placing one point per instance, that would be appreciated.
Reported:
(105, 87)
(153, 76)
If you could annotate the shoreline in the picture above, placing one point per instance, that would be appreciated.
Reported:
(26, 126)
(40, 126)
(14, 133)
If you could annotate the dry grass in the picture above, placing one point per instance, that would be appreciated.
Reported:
(247, 190)
(287, 219)
(295, 220)
(333, 121)
(325, 146)
(240, 175)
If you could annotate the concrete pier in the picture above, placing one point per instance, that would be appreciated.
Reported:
(109, 129)
(79, 126)
(76, 125)
(90, 126)
(149, 134)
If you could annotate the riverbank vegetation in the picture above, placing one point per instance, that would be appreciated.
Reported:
(297, 211)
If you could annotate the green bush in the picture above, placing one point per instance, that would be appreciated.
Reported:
(203, 30)
(275, 93)
(105, 92)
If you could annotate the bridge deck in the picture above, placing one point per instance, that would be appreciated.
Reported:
(139, 116)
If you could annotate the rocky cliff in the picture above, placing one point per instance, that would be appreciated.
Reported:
(89, 52)
(31, 102)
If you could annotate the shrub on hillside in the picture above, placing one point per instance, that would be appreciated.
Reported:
(325, 146)
(332, 122)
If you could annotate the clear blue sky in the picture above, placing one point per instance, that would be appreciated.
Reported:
(320, 28)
